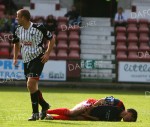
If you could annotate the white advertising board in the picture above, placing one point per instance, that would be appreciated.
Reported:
(134, 71)
(53, 70)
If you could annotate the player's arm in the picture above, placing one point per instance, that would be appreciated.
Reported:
(51, 42)
(16, 52)
(89, 117)
(16, 43)
(50, 45)
(104, 101)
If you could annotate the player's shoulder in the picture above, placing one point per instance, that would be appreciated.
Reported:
(38, 25)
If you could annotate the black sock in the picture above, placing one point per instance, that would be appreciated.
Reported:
(42, 102)
(35, 102)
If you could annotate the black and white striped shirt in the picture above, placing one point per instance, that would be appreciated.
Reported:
(31, 40)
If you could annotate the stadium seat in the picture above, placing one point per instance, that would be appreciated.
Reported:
(74, 55)
(143, 39)
(133, 56)
(52, 55)
(144, 47)
(143, 34)
(4, 44)
(121, 38)
(12, 54)
(62, 19)
(132, 22)
(121, 46)
(132, 39)
(73, 37)
(74, 28)
(121, 55)
(62, 36)
(143, 30)
(62, 55)
(132, 47)
(143, 22)
(120, 29)
(132, 30)
(62, 45)
(74, 45)
(4, 53)
(74, 33)
(2, 7)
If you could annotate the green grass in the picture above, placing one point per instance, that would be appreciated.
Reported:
(15, 106)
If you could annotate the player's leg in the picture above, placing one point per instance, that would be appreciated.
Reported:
(78, 109)
(57, 117)
(59, 111)
(36, 69)
(32, 87)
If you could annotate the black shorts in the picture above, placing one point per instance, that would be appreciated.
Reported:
(33, 68)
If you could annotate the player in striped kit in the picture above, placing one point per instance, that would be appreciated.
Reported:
(29, 38)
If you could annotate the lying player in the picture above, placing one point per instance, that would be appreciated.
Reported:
(105, 109)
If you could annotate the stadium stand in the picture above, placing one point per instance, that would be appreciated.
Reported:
(132, 39)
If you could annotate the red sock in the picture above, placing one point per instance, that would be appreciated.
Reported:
(59, 111)
(61, 117)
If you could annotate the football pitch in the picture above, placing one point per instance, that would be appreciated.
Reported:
(15, 106)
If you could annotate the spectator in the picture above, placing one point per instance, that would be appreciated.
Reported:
(120, 18)
(74, 17)
(51, 23)
(5, 24)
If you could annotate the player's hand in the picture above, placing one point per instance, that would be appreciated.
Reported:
(45, 57)
(15, 62)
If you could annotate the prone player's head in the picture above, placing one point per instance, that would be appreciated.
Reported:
(23, 16)
(130, 116)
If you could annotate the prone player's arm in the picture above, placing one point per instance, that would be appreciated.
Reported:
(99, 102)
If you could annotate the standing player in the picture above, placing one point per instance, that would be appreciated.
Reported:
(29, 37)
(106, 109)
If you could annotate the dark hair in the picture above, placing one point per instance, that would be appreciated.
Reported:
(134, 114)
(25, 13)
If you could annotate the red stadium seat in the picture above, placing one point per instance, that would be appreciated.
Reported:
(144, 47)
(62, 45)
(5, 44)
(74, 28)
(132, 47)
(62, 55)
(132, 39)
(121, 56)
(121, 38)
(143, 39)
(120, 29)
(62, 19)
(132, 30)
(62, 37)
(52, 55)
(74, 37)
(132, 22)
(143, 22)
(143, 30)
(74, 45)
(4, 53)
(133, 56)
(121, 47)
(74, 55)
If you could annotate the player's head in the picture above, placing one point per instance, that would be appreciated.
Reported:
(23, 16)
(131, 115)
